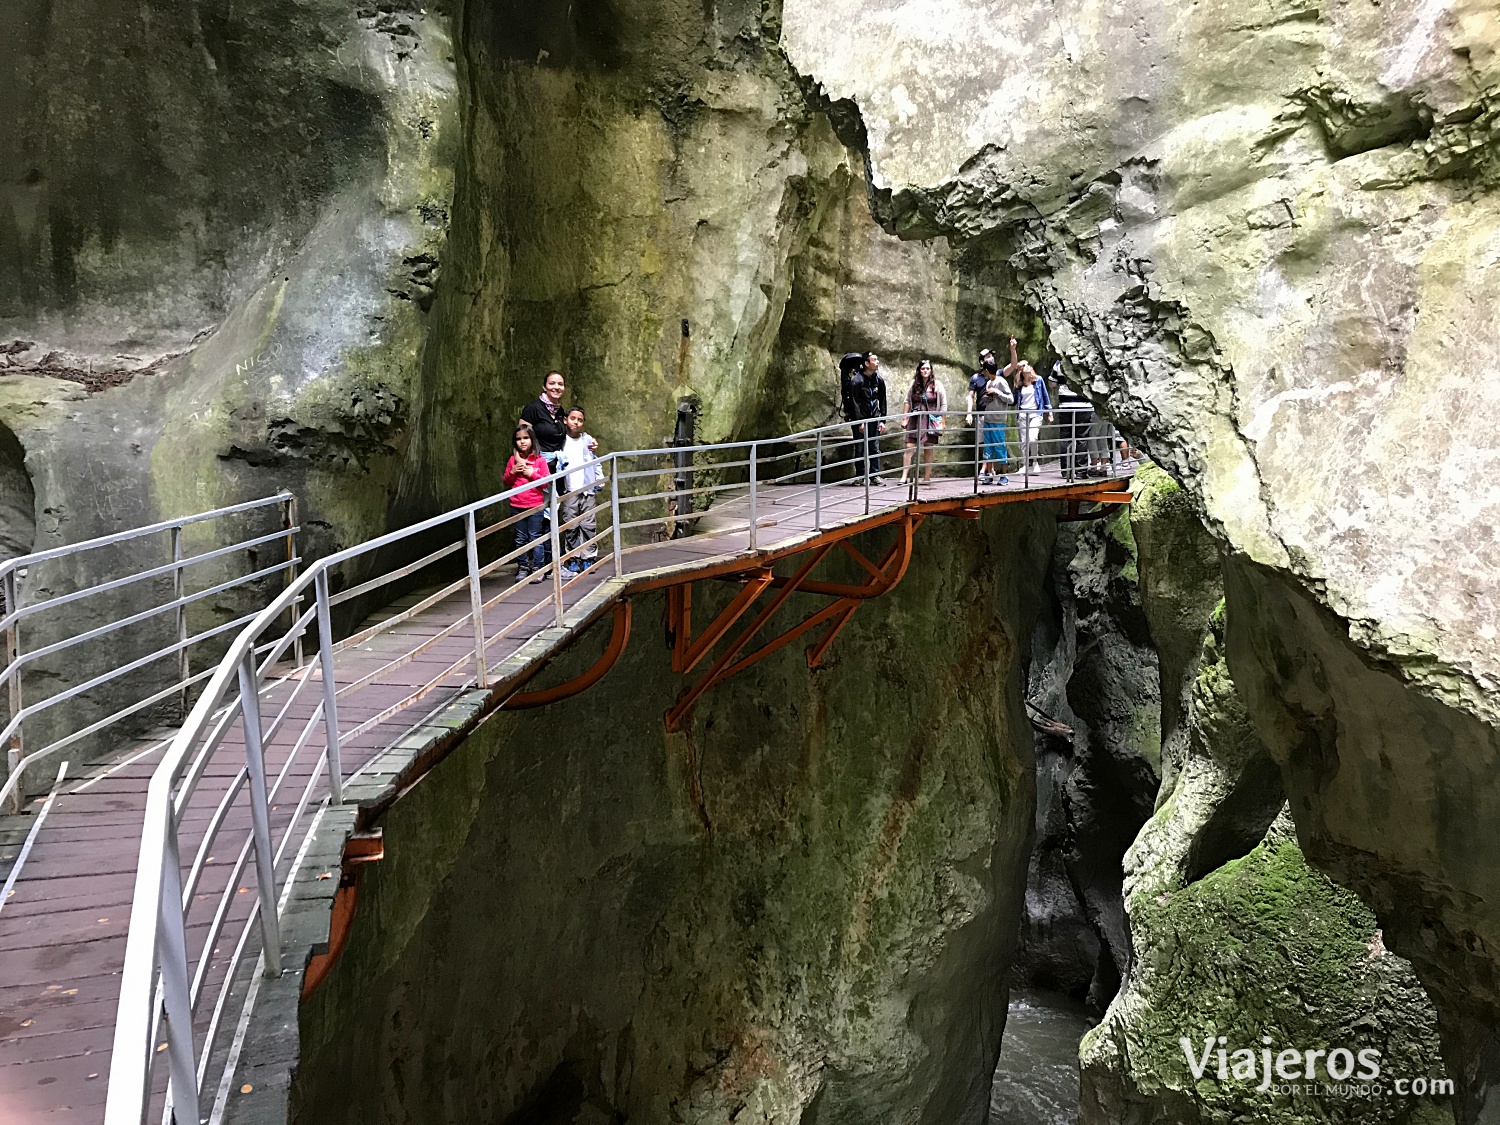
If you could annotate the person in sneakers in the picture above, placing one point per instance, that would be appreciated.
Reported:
(527, 464)
(584, 479)
(1034, 404)
(1076, 422)
(862, 389)
(993, 401)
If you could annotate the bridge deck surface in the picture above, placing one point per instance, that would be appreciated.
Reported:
(63, 927)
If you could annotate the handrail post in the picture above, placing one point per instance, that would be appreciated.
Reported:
(978, 425)
(330, 688)
(17, 748)
(176, 992)
(754, 510)
(871, 467)
(184, 667)
(260, 815)
(289, 521)
(555, 512)
(476, 600)
(818, 483)
(614, 514)
(1026, 450)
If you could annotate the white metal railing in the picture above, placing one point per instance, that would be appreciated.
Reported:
(22, 620)
(167, 977)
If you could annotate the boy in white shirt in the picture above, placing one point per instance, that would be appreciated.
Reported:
(584, 479)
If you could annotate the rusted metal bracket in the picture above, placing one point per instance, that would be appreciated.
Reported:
(1106, 501)
(883, 578)
(361, 848)
(618, 639)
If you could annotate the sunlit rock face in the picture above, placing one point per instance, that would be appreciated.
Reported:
(1268, 237)
(221, 229)
(1233, 933)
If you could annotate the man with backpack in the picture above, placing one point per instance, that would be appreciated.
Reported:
(862, 390)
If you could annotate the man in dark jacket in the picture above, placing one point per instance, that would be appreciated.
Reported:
(1075, 416)
(862, 389)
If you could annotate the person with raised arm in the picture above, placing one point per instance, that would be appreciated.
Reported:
(1034, 404)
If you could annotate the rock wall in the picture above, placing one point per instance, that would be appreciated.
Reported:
(647, 202)
(1097, 717)
(1264, 237)
(1239, 943)
(220, 231)
(800, 910)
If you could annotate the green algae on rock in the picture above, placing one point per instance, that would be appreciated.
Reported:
(800, 909)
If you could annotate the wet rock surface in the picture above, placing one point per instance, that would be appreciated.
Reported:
(1238, 942)
(1263, 238)
(1097, 715)
(801, 909)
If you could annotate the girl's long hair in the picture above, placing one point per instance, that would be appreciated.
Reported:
(918, 384)
(523, 428)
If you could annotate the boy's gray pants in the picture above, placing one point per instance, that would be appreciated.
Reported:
(573, 505)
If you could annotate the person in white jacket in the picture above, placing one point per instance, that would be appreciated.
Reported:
(584, 479)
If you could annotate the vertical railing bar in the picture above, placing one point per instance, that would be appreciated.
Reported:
(870, 467)
(476, 601)
(289, 517)
(175, 989)
(330, 688)
(16, 750)
(978, 425)
(260, 815)
(818, 483)
(184, 664)
(554, 514)
(754, 511)
(614, 515)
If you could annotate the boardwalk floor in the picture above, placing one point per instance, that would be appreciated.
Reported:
(63, 924)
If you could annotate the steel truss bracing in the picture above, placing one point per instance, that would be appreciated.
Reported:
(687, 653)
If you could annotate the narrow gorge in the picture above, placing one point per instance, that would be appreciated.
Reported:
(1209, 775)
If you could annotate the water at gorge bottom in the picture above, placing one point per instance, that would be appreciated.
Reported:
(1036, 1082)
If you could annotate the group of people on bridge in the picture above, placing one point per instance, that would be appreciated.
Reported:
(1000, 401)
(1006, 408)
(550, 438)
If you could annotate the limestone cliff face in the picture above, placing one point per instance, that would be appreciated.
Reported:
(1265, 237)
(220, 231)
(800, 910)
(219, 235)
(1094, 682)
(1234, 934)
(647, 202)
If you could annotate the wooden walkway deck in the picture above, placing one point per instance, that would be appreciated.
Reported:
(64, 921)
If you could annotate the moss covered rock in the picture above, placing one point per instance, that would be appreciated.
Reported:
(800, 909)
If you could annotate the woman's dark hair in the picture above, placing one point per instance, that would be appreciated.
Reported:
(523, 428)
(918, 384)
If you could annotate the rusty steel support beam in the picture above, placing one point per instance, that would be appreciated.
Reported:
(884, 577)
(618, 639)
(759, 579)
(680, 623)
(716, 673)
(816, 651)
(361, 848)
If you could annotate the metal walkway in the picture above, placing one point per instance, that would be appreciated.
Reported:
(142, 889)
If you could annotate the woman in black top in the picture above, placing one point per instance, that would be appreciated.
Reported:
(546, 417)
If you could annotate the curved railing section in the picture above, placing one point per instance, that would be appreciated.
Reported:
(26, 619)
(189, 942)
